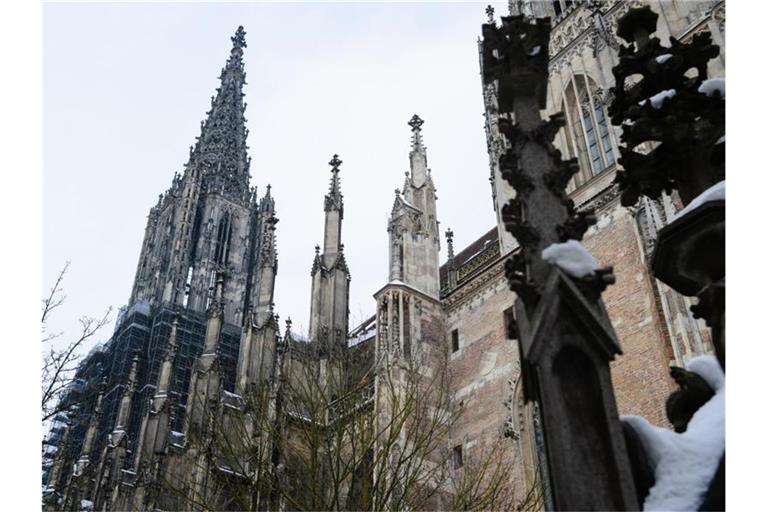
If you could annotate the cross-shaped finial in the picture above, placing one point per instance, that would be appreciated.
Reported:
(317, 250)
(288, 324)
(238, 40)
(415, 123)
(397, 192)
(335, 162)
(449, 235)
(449, 239)
(489, 11)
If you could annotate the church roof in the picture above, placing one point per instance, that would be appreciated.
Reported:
(469, 252)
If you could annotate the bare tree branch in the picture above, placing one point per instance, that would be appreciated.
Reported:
(60, 364)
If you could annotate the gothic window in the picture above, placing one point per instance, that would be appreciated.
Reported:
(223, 236)
(587, 135)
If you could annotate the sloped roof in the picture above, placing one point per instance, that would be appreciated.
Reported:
(473, 249)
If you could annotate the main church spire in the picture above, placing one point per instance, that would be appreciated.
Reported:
(221, 152)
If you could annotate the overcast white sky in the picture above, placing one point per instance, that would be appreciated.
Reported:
(126, 86)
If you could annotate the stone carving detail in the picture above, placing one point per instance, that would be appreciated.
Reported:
(686, 157)
(565, 361)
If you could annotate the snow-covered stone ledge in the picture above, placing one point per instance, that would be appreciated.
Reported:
(571, 257)
(714, 193)
(684, 464)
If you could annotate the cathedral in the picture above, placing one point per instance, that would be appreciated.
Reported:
(201, 387)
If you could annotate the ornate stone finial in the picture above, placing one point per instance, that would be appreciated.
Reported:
(415, 123)
(335, 163)
(288, 324)
(489, 11)
(449, 239)
(397, 192)
(238, 40)
(317, 250)
(334, 199)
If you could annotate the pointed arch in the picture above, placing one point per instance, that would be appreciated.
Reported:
(223, 237)
(587, 134)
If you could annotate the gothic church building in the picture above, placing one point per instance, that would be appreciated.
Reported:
(201, 332)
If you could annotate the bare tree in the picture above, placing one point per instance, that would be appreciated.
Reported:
(60, 358)
(342, 437)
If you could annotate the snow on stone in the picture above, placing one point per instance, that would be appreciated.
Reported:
(534, 51)
(86, 505)
(714, 193)
(684, 464)
(362, 336)
(708, 87)
(661, 59)
(658, 99)
(572, 257)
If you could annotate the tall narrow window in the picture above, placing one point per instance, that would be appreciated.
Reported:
(223, 235)
(587, 134)
(455, 340)
(509, 321)
(458, 457)
(211, 287)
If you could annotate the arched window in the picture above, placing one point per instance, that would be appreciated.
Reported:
(223, 236)
(587, 135)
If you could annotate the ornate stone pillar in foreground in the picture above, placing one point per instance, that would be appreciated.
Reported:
(566, 338)
(673, 130)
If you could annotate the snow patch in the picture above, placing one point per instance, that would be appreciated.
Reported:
(661, 59)
(572, 257)
(86, 505)
(684, 464)
(708, 87)
(714, 193)
(534, 51)
(657, 100)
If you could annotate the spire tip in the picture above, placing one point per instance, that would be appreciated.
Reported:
(238, 40)
(415, 123)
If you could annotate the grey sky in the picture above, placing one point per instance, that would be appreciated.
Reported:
(126, 86)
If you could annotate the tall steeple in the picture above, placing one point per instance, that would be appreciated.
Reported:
(210, 219)
(221, 151)
(413, 228)
(330, 275)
